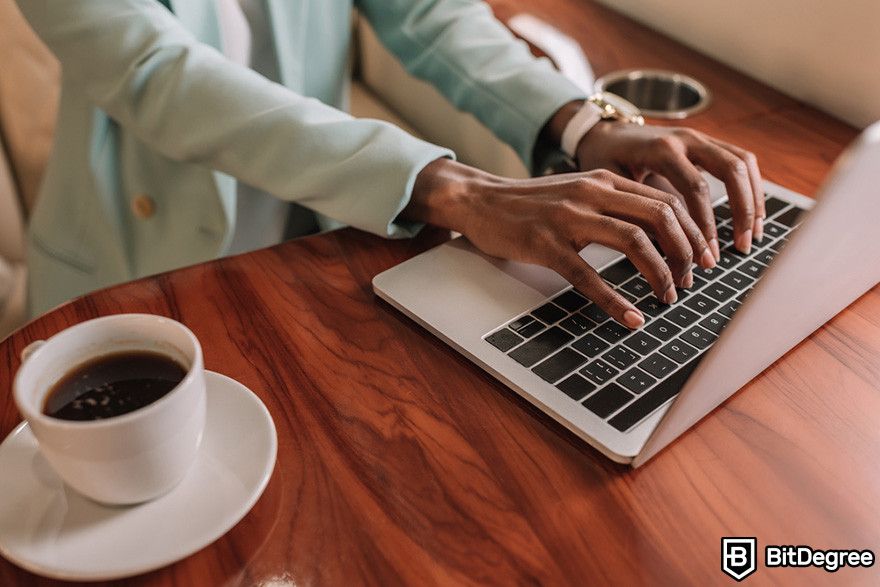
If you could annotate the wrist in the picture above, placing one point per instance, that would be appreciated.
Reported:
(444, 194)
(556, 125)
(594, 137)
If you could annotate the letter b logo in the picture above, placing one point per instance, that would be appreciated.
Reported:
(739, 557)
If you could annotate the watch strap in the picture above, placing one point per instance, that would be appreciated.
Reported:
(580, 124)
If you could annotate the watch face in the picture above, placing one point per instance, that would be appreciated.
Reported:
(626, 108)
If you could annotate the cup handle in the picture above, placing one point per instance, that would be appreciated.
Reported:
(31, 349)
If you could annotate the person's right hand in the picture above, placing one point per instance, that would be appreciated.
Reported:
(548, 220)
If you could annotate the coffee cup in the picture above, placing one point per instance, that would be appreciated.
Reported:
(129, 458)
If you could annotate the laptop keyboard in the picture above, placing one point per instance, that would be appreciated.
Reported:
(621, 375)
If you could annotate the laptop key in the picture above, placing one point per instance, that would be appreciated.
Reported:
(608, 400)
(612, 331)
(773, 205)
(658, 365)
(765, 257)
(651, 306)
(619, 272)
(682, 316)
(708, 274)
(678, 351)
(642, 343)
(540, 347)
(725, 235)
(570, 300)
(719, 291)
(595, 313)
(637, 286)
(532, 329)
(575, 387)
(791, 217)
(549, 313)
(521, 322)
(577, 324)
(590, 345)
(504, 339)
(698, 337)
(778, 245)
(737, 280)
(650, 401)
(714, 323)
(698, 283)
(621, 357)
(722, 212)
(701, 304)
(559, 365)
(662, 329)
(727, 309)
(728, 261)
(774, 230)
(636, 380)
(599, 371)
(626, 295)
(752, 268)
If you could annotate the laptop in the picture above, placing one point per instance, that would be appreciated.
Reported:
(631, 393)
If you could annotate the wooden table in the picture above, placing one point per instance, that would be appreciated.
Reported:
(399, 461)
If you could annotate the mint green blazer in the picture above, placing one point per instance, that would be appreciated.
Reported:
(150, 106)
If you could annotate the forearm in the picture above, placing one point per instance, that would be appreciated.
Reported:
(444, 193)
(137, 63)
(551, 134)
(473, 60)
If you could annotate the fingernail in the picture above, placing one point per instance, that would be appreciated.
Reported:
(713, 244)
(670, 296)
(688, 280)
(759, 229)
(707, 260)
(633, 318)
(744, 242)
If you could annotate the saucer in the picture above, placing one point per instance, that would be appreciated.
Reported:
(50, 530)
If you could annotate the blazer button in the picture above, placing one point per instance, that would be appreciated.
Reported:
(143, 206)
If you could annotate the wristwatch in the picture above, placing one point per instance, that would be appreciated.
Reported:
(598, 107)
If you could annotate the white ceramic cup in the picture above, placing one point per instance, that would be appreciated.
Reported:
(130, 458)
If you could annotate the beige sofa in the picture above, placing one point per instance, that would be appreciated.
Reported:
(29, 85)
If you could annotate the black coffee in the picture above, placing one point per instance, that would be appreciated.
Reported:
(113, 385)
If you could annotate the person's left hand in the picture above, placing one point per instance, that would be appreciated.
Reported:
(677, 155)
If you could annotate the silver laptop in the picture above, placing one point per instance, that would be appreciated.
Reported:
(630, 393)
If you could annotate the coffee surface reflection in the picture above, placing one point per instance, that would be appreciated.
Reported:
(112, 385)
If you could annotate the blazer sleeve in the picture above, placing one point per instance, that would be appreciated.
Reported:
(472, 59)
(183, 98)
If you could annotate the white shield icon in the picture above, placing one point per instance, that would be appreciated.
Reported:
(739, 557)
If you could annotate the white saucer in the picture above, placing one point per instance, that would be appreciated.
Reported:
(51, 530)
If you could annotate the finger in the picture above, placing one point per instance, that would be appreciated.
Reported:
(757, 184)
(584, 278)
(734, 172)
(658, 218)
(689, 181)
(700, 249)
(631, 240)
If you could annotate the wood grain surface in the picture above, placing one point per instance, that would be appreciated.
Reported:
(400, 462)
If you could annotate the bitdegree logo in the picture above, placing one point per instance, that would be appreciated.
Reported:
(807, 556)
(739, 557)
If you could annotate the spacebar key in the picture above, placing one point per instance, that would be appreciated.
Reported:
(539, 347)
(639, 409)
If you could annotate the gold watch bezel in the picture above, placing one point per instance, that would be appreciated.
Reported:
(616, 108)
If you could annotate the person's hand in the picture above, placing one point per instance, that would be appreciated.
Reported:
(677, 154)
(548, 220)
